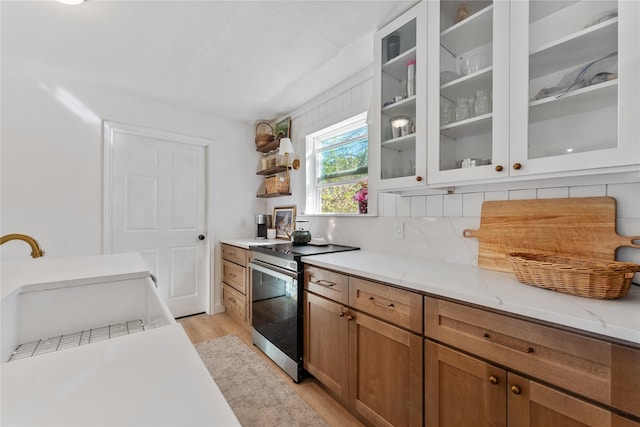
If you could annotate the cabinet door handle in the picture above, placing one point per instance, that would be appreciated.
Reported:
(498, 168)
(515, 389)
(517, 166)
(389, 306)
(514, 347)
(349, 317)
(341, 314)
(325, 283)
(493, 379)
(418, 178)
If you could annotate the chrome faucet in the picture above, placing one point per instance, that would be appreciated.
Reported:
(35, 248)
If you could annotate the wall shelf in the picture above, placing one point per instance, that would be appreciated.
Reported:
(272, 171)
(270, 195)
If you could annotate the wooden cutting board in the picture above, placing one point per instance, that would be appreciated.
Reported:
(578, 228)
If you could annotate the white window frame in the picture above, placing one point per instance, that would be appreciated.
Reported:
(312, 194)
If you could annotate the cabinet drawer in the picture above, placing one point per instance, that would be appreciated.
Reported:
(234, 303)
(327, 283)
(234, 254)
(234, 275)
(591, 367)
(404, 308)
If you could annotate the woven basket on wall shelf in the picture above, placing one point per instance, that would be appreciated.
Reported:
(586, 278)
(276, 184)
(264, 134)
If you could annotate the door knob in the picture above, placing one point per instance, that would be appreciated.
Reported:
(201, 237)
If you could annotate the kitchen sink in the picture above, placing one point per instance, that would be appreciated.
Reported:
(46, 318)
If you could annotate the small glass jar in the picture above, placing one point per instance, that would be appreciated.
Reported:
(463, 111)
(447, 113)
(264, 162)
(482, 103)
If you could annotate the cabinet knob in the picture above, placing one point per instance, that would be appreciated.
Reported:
(418, 178)
(515, 389)
(341, 314)
(498, 168)
(517, 166)
(493, 380)
(349, 317)
(201, 237)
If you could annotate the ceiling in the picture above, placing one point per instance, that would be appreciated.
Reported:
(245, 60)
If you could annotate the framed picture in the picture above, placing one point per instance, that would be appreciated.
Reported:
(284, 220)
(282, 129)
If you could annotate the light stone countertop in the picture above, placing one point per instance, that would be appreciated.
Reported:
(618, 319)
(150, 378)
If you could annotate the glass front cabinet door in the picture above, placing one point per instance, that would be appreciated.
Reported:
(545, 88)
(575, 85)
(399, 145)
(468, 123)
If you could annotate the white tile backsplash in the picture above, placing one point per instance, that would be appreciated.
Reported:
(389, 204)
(628, 199)
(553, 193)
(418, 206)
(453, 205)
(472, 204)
(435, 205)
(496, 195)
(403, 206)
(522, 194)
(588, 191)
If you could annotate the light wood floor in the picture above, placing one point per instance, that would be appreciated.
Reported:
(204, 327)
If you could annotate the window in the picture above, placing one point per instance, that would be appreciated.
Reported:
(338, 160)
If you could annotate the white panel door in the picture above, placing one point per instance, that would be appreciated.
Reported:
(157, 208)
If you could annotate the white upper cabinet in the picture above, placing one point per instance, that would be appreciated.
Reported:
(398, 148)
(563, 81)
(468, 123)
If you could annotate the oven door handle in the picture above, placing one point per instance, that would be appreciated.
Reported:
(272, 270)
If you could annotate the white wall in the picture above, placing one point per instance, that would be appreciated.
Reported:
(52, 161)
(433, 224)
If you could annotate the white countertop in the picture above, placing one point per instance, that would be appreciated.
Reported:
(80, 270)
(619, 319)
(246, 243)
(150, 378)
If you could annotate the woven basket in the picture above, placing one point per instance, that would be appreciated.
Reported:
(276, 184)
(264, 134)
(586, 278)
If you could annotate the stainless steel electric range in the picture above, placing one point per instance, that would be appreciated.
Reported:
(277, 280)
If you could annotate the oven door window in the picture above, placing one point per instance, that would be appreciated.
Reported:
(274, 309)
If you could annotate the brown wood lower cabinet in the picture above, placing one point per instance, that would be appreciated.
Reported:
(461, 390)
(371, 366)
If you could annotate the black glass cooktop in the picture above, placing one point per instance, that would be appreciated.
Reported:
(291, 251)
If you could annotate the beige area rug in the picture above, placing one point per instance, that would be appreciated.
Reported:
(257, 395)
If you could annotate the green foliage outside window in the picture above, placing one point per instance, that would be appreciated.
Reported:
(341, 160)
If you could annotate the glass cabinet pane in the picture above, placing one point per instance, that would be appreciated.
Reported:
(573, 77)
(398, 95)
(466, 84)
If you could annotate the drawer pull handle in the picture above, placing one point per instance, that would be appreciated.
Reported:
(232, 275)
(493, 379)
(389, 306)
(524, 350)
(325, 283)
(515, 389)
(232, 300)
